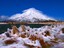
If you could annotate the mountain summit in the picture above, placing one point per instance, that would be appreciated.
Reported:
(31, 15)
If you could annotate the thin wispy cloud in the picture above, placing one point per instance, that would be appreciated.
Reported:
(2, 18)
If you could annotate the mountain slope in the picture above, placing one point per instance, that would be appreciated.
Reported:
(30, 15)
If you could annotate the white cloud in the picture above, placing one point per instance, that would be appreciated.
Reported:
(3, 17)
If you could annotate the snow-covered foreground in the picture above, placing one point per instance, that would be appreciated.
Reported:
(27, 37)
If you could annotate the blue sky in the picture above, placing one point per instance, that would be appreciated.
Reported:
(53, 8)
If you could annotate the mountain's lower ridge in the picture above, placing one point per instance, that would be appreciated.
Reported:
(31, 21)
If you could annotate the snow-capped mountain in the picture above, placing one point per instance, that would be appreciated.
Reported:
(31, 15)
